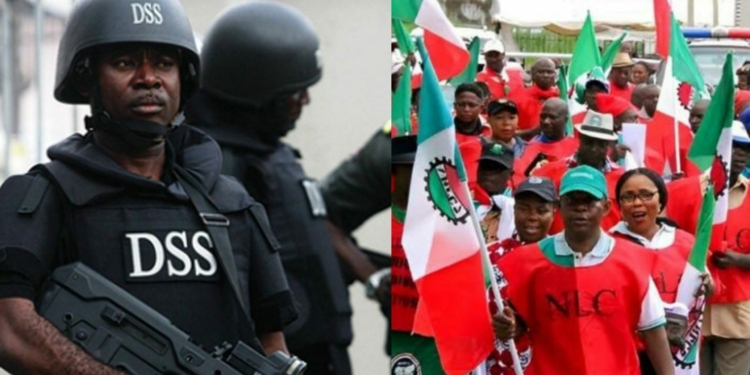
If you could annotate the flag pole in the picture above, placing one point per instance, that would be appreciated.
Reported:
(493, 282)
(676, 138)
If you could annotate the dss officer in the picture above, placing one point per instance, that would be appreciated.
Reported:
(259, 59)
(119, 199)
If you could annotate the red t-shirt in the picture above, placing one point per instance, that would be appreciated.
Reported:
(554, 151)
(529, 103)
(500, 361)
(504, 85)
(404, 295)
(625, 93)
(470, 147)
(736, 280)
(581, 320)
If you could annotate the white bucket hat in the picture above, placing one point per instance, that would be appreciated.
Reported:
(598, 125)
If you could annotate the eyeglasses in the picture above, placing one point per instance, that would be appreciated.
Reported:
(644, 196)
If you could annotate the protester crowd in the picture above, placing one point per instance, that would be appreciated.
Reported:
(589, 247)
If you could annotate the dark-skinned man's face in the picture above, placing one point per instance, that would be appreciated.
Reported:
(630, 116)
(543, 74)
(742, 82)
(740, 156)
(620, 76)
(552, 121)
(582, 213)
(140, 82)
(492, 177)
(696, 115)
(533, 217)
(592, 90)
(593, 151)
(650, 100)
(495, 60)
(468, 106)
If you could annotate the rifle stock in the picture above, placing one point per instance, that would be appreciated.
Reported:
(119, 330)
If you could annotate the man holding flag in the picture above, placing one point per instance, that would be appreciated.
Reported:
(582, 294)
(726, 349)
(534, 205)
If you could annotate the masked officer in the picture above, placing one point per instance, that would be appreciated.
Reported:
(259, 59)
(119, 199)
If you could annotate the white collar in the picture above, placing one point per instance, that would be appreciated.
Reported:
(662, 239)
(602, 248)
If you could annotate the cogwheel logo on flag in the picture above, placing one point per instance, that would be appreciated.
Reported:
(685, 95)
(444, 190)
(687, 356)
(719, 176)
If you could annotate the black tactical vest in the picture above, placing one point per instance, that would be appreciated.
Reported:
(297, 214)
(153, 244)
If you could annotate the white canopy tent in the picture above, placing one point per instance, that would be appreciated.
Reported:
(565, 17)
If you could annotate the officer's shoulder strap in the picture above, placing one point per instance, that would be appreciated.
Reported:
(261, 218)
(34, 195)
(39, 185)
(43, 178)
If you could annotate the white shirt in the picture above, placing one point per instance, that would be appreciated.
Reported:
(652, 307)
(663, 238)
(507, 217)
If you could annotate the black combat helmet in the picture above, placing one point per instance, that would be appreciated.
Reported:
(97, 23)
(258, 51)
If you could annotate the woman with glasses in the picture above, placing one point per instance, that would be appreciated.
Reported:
(641, 196)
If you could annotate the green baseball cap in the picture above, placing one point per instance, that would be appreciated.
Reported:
(586, 179)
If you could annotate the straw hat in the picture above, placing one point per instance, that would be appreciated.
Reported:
(622, 60)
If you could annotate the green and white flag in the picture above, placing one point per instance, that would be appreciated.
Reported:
(609, 54)
(403, 39)
(470, 73)
(440, 242)
(586, 53)
(711, 152)
(401, 103)
(687, 359)
(585, 64)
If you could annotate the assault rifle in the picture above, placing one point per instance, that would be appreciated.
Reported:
(123, 332)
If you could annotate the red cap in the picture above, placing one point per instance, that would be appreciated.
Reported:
(613, 105)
